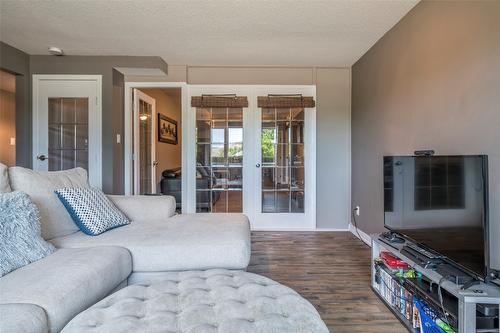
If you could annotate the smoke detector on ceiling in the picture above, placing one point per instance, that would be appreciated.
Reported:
(55, 51)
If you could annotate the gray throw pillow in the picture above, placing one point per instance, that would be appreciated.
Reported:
(4, 179)
(21, 242)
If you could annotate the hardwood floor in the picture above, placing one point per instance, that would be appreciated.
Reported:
(331, 270)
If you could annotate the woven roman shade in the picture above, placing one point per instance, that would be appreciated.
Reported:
(210, 101)
(285, 102)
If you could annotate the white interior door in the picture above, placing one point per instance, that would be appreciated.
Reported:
(67, 124)
(144, 122)
(218, 172)
(285, 168)
(264, 160)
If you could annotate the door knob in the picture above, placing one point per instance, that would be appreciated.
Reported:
(257, 165)
(155, 163)
(41, 157)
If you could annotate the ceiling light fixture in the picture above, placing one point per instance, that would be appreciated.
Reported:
(53, 50)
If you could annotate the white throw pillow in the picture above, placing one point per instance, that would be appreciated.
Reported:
(91, 210)
(40, 186)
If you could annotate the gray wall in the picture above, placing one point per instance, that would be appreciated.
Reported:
(333, 163)
(332, 123)
(433, 81)
(17, 62)
(333, 115)
(119, 154)
(112, 101)
(332, 127)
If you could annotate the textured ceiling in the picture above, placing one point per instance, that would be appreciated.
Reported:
(211, 32)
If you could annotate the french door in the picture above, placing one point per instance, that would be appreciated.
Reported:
(67, 124)
(144, 124)
(257, 160)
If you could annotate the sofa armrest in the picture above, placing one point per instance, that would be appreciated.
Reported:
(22, 317)
(145, 207)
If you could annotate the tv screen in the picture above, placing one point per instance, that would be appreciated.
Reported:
(440, 202)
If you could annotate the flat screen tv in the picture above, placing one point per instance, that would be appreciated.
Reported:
(441, 203)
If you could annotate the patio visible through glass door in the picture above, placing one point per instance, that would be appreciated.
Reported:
(258, 158)
(282, 148)
(285, 152)
(219, 160)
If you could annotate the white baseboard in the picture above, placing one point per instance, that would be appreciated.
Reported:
(332, 229)
(281, 229)
(302, 229)
(364, 236)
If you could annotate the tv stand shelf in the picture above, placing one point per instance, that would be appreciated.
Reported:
(459, 304)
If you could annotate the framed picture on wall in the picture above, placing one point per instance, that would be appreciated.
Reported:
(167, 129)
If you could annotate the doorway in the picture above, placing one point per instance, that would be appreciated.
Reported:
(7, 118)
(67, 127)
(144, 143)
(153, 139)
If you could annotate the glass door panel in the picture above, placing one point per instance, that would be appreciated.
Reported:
(259, 161)
(68, 132)
(219, 160)
(282, 151)
(145, 147)
(144, 141)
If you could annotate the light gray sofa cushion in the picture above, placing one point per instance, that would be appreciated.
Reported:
(183, 242)
(22, 318)
(20, 239)
(67, 282)
(40, 187)
(145, 207)
(213, 301)
(4, 179)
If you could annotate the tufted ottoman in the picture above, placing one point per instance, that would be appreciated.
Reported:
(209, 301)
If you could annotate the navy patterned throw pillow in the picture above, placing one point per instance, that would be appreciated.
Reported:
(91, 210)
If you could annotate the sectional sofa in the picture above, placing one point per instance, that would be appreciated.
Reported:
(45, 295)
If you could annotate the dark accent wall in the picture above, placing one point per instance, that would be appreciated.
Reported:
(112, 101)
(433, 81)
(17, 62)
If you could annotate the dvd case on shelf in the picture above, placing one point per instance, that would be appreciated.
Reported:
(394, 292)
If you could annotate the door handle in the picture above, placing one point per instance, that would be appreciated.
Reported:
(155, 163)
(257, 165)
(41, 157)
